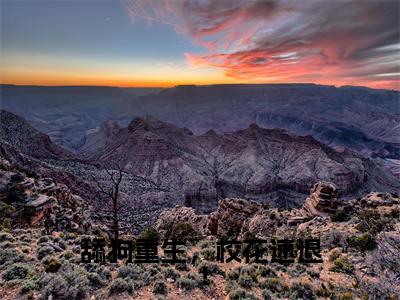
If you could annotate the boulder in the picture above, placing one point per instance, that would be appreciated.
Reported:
(228, 220)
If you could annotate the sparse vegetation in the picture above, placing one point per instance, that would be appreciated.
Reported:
(160, 288)
(340, 215)
(119, 286)
(17, 271)
(342, 265)
(363, 242)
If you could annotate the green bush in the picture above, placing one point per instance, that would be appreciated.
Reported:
(300, 290)
(17, 271)
(364, 242)
(28, 285)
(184, 232)
(6, 211)
(208, 254)
(44, 239)
(239, 294)
(130, 271)
(170, 273)
(160, 288)
(372, 222)
(102, 271)
(265, 271)
(6, 237)
(334, 255)
(69, 283)
(345, 296)
(119, 286)
(274, 285)
(212, 268)
(44, 251)
(246, 281)
(149, 233)
(342, 265)
(95, 280)
(7, 245)
(51, 264)
(340, 215)
(10, 256)
(186, 283)
(182, 267)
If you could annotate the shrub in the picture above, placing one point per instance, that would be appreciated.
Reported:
(31, 173)
(10, 256)
(44, 251)
(301, 291)
(266, 271)
(17, 271)
(342, 265)
(51, 264)
(170, 273)
(340, 215)
(67, 255)
(394, 213)
(6, 237)
(371, 221)
(239, 294)
(160, 288)
(7, 245)
(27, 286)
(334, 255)
(129, 271)
(364, 242)
(154, 270)
(234, 274)
(119, 286)
(184, 232)
(274, 285)
(14, 195)
(246, 281)
(208, 254)
(345, 296)
(69, 283)
(266, 295)
(6, 211)
(16, 178)
(44, 239)
(149, 233)
(182, 267)
(322, 291)
(186, 283)
(212, 268)
(25, 238)
(95, 280)
(102, 271)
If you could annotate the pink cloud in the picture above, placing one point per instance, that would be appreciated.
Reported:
(335, 42)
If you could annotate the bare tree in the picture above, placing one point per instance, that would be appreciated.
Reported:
(111, 192)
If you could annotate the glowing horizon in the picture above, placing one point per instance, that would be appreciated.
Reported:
(135, 43)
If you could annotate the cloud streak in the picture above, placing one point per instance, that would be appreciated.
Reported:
(331, 42)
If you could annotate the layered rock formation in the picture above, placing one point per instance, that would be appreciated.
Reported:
(322, 199)
(268, 165)
(28, 140)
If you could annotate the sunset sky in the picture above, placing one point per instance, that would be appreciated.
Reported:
(166, 43)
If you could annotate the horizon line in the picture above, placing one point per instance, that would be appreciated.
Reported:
(188, 85)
